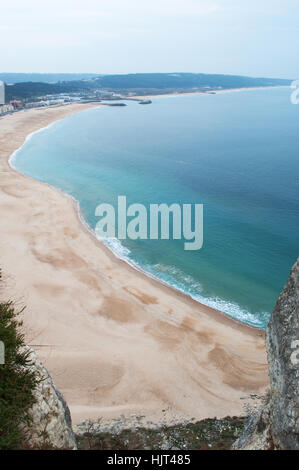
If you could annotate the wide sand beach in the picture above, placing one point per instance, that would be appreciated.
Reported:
(114, 340)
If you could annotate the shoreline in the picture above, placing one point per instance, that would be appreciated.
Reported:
(130, 265)
(145, 304)
(90, 230)
(210, 92)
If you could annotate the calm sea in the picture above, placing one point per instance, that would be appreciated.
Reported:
(237, 153)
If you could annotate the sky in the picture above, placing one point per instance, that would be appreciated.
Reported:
(244, 37)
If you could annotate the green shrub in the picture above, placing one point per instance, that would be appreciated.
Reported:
(17, 382)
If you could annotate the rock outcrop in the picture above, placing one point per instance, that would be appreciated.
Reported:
(52, 426)
(276, 425)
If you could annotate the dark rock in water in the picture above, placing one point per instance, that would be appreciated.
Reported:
(115, 104)
(276, 426)
(145, 102)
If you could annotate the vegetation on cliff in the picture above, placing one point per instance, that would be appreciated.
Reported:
(208, 434)
(17, 382)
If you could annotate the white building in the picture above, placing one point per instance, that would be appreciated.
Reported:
(2, 93)
(6, 108)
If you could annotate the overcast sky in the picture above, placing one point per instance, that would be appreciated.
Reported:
(248, 37)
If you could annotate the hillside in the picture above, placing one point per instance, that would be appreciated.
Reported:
(140, 83)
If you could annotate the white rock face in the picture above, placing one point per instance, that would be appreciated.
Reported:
(276, 426)
(52, 424)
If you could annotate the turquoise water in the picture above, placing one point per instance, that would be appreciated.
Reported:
(237, 153)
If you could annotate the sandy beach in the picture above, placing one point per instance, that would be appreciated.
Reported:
(208, 92)
(115, 341)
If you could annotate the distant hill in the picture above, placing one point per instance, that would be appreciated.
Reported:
(184, 81)
(29, 90)
(45, 77)
(140, 83)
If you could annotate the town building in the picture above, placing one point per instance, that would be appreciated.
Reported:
(2, 93)
(6, 108)
(17, 104)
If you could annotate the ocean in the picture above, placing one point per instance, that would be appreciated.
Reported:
(236, 153)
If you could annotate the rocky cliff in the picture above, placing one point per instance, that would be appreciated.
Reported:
(276, 425)
(52, 426)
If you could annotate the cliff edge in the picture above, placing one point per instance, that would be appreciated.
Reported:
(276, 425)
(51, 419)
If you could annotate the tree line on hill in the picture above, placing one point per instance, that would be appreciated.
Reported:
(142, 83)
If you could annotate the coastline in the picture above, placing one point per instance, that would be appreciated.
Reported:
(89, 229)
(213, 92)
(189, 345)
